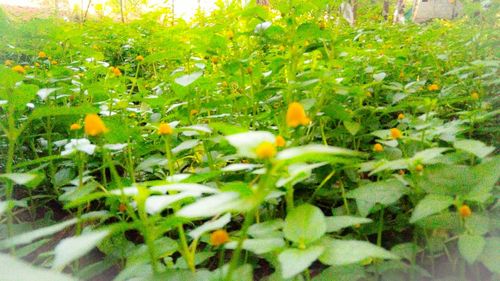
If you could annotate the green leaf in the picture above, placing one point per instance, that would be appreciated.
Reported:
(352, 272)
(352, 127)
(475, 147)
(490, 257)
(28, 237)
(294, 261)
(343, 252)
(471, 246)
(72, 248)
(12, 269)
(259, 245)
(26, 179)
(382, 192)
(336, 223)
(447, 180)
(304, 224)
(430, 205)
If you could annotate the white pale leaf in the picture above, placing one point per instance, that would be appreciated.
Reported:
(115, 146)
(3, 206)
(210, 225)
(193, 187)
(19, 178)
(314, 149)
(298, 172)
(259, 246)
(294, 261)
(12, 269)
(72, 248)
(44, 93)
(211, 206)
(185, 145)
(199, 127)
(247, 142)
(175, 105)
(240, 167)
(156, 204)
(379, 76)
(187, 79)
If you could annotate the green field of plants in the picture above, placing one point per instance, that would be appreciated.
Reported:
(256, 142)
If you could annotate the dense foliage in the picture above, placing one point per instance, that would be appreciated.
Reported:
(255, 143)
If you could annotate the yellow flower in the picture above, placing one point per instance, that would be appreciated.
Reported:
(165, 129)
(8, 62)
(419, 168)
(396, 133)
(139, 58)
(94, 125)
(26, 67)
(54, 62)
(465, 211)
(401, 116)
(474, 96)
(281, 48)
(280, 141)
(433, 87)
(75, 126)
(296, 115)
(368, 94)
(19, 69)
(116, 71)
(42, 55)
(230, 34)
(378, 147)
(37, 64)
(219, 237)
(265, 150)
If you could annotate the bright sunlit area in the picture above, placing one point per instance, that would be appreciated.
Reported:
(249, 140)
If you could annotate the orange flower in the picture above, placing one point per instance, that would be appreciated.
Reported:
(280, 141)
(474, 96)
(42, 55)
(8, 62)
(139, 58)
(401, 116)
(193, 112)
(19, 69)
(94, 125)
(433, 87)
(219, 237)
(396, 133)
(296, 115)
(378, 147)
(54, 62)
(464, 211)
(265, 150)
(165, 129)
(75, 126)
(116, 71)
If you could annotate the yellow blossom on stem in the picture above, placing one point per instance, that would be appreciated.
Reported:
(219, 237)
(42, 55)
(193, 112)
(230, 34)
(54, 62)
(165, 129)
(433, 87)
(378, 147)
(419, 168)
(94, 125)
(396, 133)
(280, 141)
(474, 96)
(75, 126)
(465, 211)
(265, 150)
(296, 115)
(401, 116)
(139, 58)
(19, 69)
(8, 62)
